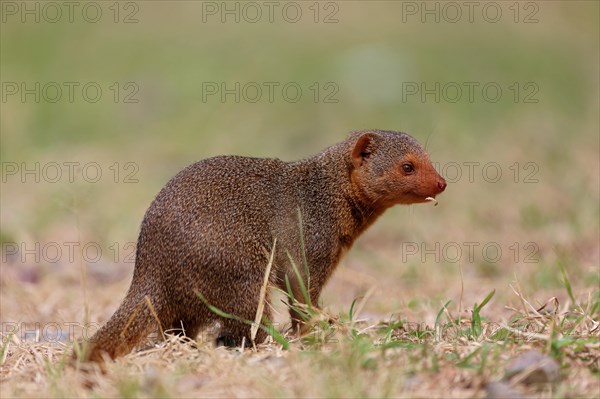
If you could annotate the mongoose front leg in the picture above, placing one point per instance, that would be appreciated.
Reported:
(237, 329)
(299, 321)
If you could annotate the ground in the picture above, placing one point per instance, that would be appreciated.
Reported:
(432, 301)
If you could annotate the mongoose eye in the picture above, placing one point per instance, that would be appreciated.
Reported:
(407, 168)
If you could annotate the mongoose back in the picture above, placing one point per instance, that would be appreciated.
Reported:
(210, 232)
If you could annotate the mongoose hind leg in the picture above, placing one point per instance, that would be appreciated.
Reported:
(185, 328)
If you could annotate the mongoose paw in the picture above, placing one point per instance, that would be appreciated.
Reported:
(226, 340)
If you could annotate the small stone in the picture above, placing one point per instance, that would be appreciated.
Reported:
(539, 368)
(501, 390)
(413, 382)
(29, 275)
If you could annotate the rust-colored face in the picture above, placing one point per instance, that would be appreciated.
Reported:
(392, 168)
(418, 179)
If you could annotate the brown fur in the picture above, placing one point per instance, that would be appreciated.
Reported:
(211, 230)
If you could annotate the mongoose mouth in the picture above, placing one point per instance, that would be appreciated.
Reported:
(417, 198)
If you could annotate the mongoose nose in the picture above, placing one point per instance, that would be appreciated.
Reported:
(442, 185)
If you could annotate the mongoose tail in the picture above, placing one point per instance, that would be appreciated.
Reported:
(127, 327)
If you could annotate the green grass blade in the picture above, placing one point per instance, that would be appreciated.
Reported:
(277, 336)
(476, 328)
(300, 280)
(351, 311)
(567, 282)
(487, 299)
(221, 313)
(303, 249)
(437, 318)
(288, 287)
(272, 331)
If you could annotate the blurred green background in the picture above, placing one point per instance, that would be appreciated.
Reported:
(369, 54)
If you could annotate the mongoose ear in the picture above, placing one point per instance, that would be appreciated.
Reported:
(362, 149)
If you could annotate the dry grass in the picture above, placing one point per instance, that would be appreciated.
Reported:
(345, 356)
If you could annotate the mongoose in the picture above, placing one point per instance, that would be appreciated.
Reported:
(210, 232)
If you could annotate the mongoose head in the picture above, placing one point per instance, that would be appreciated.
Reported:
(393, 168)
